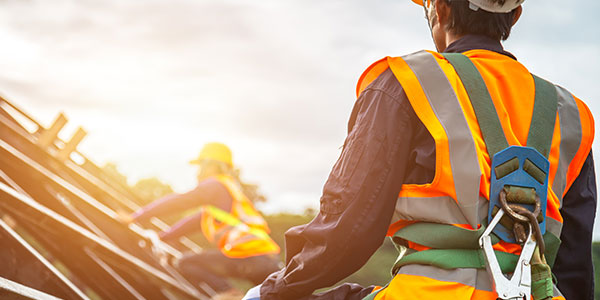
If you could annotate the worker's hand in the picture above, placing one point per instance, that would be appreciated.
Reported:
(124, 217)
(253, 293)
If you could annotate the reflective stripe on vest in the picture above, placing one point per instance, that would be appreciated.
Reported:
(570, 135)
(446, 210)
(461, 147)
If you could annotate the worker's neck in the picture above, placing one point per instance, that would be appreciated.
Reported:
(449, 38)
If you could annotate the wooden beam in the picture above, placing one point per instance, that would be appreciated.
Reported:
(51, 134)
(70, 146)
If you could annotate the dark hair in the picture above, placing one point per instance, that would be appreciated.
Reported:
(464, 20)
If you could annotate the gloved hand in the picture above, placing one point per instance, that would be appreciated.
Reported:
(253, 293)
(156, 245)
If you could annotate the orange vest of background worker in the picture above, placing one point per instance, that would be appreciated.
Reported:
(227, 219)
(492, 124)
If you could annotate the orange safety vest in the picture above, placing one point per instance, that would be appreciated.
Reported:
(459, 192)
(241, 232)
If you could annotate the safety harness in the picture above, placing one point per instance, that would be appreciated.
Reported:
(517, 208)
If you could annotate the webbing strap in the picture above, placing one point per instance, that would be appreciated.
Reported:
(485, 111)
(441, 236)
(543, 119)
(456, 258)
(455, 247)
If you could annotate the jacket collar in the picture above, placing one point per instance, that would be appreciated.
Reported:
(472, 41)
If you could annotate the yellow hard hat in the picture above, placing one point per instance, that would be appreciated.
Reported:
(214, 151)
(488, 5)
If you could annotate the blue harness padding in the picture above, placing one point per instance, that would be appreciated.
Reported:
(518, 176)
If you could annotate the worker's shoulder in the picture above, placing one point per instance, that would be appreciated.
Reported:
(210, 185)
(380, 77)
(387, 83)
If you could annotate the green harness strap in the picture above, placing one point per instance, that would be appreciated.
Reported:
(541, 128)
(485, 111)
(468, 255)
(441, 236)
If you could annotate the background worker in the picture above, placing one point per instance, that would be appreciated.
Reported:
(227, 219)
(415, 154)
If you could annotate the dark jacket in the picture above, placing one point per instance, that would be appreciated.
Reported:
(387, 146)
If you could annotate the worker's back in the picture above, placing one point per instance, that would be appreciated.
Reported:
(460, 190)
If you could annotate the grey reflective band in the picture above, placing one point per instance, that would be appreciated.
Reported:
(461, 146)
(556, 291)
(446, 210)
(553, 226)
(570, 139)
(477, 278)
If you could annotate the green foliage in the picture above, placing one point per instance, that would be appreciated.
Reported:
(110, 169)
(150, 189)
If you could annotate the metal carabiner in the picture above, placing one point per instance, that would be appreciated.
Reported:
(518, 287)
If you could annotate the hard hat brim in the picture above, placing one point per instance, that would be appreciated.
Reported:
(196, 162)
(199, 161)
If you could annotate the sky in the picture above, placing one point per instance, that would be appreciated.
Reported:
(152, 81)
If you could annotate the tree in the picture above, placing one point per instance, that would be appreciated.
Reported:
(150, 189)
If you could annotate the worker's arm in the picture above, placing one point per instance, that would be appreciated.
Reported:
(207, 192)
(357, 203)
(573, 268)
(187, 225)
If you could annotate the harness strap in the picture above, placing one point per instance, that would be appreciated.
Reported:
(441, 236)
(541, 129)
(485, 111)
(451, 241)
(456, 258)
(543, 119)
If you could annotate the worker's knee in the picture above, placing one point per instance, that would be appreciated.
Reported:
(257, 268)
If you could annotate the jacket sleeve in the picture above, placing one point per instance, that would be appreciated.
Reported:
(186, 226)
(357, 203)
(573, 268)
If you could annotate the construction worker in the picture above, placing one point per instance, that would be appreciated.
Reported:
(227, 219)
(417, 166)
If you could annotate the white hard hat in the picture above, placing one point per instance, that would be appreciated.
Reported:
(495, 6)
(488, 5)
